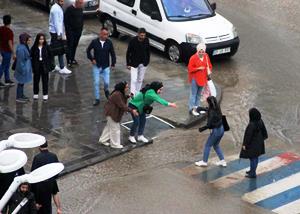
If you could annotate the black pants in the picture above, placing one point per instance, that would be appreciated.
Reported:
(37, 75)
(73, 38)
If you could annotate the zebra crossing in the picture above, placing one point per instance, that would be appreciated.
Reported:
(276, 188)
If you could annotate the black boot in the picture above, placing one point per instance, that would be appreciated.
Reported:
(96, 102)
(106, 94)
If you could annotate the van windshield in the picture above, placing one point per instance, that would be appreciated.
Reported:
(177, 10)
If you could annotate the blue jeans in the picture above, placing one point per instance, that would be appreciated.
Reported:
(214, 141)
(138, 123)
(253, 166)
(97, 73)
(20, 91)
(4, 67)
(195, 95)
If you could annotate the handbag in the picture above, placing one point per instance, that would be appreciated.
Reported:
(58, 47)
(147, 109)
(14, 65)
(225, 123)
(210, 83)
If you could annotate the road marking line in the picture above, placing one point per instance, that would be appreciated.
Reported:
(272, 189)
(291, 208)
(265, 166)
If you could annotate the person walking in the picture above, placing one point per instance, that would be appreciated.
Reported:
(7, 50)
(214, 122)
(23, 71)
(74, 25)
(114, 109)
(142, 103)
(56, 29)
(22, 194)
(253, 143)
(138, 58)
(44, 190)
(102, 48)
(198, 69)
(41, 60)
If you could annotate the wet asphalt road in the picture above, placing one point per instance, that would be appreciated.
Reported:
(264, 73)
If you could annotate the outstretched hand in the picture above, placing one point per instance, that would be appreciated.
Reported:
(173, 105)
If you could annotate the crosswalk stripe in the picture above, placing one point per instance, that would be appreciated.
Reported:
(291, 208)
(272, 189)
(265, 166)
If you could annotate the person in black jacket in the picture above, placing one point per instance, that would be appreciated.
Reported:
(44, 190)
(253, 143)
(22, 193)
(102, 48)
(41, 60)
(73, 19)
(138, 58)
(214, 122)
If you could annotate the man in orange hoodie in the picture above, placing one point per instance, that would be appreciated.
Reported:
(199, 68)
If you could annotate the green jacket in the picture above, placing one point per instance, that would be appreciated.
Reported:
(139, 100)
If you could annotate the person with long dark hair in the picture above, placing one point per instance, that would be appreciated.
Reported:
(41, 60)
(114, 109)
(141, 102)
(23, 71)
(215, 124)
(253, 143)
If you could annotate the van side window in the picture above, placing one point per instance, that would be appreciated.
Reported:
(129, 3)
(149, 6)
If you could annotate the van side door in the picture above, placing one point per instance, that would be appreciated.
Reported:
(150, 17)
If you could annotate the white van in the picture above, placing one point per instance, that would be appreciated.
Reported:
(173, 26)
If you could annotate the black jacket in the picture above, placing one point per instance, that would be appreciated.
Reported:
(101, 55)
(15, 200)
(73, 19)
(214, 118)
(138, 52)
(46, 56)
(255, 135)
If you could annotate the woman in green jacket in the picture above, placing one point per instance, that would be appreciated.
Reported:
(141, 101)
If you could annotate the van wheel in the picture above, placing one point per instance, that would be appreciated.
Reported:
(173, 51)
(111, 26)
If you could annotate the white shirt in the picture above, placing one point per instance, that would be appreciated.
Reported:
(40, 54)
(56, 20)
(102, 43)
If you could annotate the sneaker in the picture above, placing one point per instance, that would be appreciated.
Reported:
(2, 85)
(106, 94)
(35, 96)
(105, 143)
(65, 71)
(96, 102)
(57, 68)
(116, 146)
(25, 98)
(132, 139)
(21, 100)
(201, 163)
(194, 112)
(202, 112)
(9, 83)
(142, 139)
(221, 163)
(45, 97)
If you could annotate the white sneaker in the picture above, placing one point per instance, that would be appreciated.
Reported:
(201, 163)
(194, 112)
(142, 139)
(132, 139)
(57, 68)
(65, 71)
(45, 97)
(221, 163)
(104, 143)
(116, 146)
(202, 112)
(35, 96)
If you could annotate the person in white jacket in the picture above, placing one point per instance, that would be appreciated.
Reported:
(57, 32)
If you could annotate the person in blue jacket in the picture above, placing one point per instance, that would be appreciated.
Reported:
(23, 70)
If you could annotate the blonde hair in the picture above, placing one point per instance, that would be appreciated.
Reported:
(201, 46)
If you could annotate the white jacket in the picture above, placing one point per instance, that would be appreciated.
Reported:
(56, 20)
